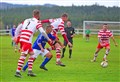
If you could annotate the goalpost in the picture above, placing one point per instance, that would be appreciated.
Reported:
(95, 26)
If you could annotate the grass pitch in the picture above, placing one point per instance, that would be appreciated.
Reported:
(78, 68)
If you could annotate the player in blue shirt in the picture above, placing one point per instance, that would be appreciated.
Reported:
(12, 32)
(39, 48)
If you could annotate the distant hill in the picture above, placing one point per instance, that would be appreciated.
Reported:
(9, 6)
(49, 5)
(4, 5)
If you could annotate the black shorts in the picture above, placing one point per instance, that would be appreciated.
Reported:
(70, 40)
(87, 35)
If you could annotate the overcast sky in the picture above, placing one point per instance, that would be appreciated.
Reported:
(106, 3)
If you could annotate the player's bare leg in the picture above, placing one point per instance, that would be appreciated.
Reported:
(106, 54)
(96, 54)
(17, 48)
(86, 38)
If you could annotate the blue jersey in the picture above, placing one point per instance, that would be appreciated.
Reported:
(13, 31)
(42, 40)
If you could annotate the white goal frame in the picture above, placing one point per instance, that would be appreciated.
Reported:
(100, 22)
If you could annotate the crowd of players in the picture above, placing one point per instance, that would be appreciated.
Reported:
(24, 34)
(25, 31)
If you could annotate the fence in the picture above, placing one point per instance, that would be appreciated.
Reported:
(95, 31)
(4, 32)
(77, 31)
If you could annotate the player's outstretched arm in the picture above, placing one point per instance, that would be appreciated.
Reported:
(18, 29)
(114, 41)
(45, 21)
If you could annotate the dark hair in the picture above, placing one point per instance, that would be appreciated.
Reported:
(105, 24)
(36, 12)
(49, 26)
(64, 15)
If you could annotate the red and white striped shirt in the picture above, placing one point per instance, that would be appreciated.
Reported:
(105, 36)
(58, 24)
(29, 27)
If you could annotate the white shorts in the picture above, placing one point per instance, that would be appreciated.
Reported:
(37, 52)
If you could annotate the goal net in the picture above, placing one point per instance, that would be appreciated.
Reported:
(95, 26)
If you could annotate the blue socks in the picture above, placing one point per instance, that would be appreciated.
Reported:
(46, 60)
(25, 67)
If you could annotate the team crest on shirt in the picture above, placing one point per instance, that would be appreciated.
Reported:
(71, 32)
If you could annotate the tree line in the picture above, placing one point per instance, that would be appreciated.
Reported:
(77, 14)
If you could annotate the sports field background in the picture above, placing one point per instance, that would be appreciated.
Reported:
(78, 68)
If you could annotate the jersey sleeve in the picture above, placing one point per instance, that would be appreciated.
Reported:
(51, 20)
(18, 30)
(51, 36)
(47, 21)
(39, 25)
(62, 30)
(40, 28)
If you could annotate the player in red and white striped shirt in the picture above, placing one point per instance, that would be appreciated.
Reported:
(58, 25)
(28, 28)
(104, 36)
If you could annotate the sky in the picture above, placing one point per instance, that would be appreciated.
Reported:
(107, 3)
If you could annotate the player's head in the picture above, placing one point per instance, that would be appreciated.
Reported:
(36, 13)
(48, 29)
(14, 26)
(105, 27)
(64, 17)
(68, 23)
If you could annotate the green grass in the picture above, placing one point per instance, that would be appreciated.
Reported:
(78, 69)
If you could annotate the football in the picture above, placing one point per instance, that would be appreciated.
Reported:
(104, 64)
